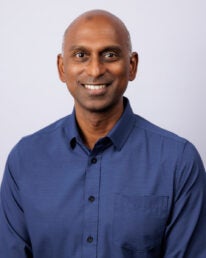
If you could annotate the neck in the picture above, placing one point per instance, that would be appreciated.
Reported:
(96, 125)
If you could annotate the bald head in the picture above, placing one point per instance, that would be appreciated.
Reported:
(96, 16)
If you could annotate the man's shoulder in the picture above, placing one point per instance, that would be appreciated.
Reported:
(51, 128)
(169, 144)
(154, 130)
(45, 134)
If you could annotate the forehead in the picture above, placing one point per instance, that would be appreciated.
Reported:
(96, 32)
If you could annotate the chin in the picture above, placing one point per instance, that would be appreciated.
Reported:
(98, 109)
(101, 108)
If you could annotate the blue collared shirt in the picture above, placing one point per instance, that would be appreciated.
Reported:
(141, 192)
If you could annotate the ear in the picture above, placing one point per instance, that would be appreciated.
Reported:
(60, 66)
(133, 66)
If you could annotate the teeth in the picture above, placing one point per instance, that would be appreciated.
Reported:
(94, 87)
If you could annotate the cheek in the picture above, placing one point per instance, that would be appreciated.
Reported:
(122, 70)
(72, 71)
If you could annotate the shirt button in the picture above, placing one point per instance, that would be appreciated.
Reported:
(91, 198)
(90, 239)
(94, 160)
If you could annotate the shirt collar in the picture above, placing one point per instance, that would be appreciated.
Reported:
(118, 135)
(121, 131)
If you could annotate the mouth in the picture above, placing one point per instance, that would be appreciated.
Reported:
(94, 86)
(96, 90)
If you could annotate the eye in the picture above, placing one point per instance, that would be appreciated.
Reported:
(110, 56)
(80, 54)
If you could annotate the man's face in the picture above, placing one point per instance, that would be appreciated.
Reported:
(96, 64)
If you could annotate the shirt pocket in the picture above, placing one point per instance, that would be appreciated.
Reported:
(139, 222)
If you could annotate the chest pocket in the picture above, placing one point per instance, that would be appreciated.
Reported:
(139, 222)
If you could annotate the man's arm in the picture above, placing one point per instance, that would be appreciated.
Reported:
(14, 240)
(185, 236)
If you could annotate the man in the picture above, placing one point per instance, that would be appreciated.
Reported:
(102, 182)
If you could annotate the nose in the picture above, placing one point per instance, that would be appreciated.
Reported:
(95, 68)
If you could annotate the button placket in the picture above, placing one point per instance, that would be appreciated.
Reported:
(92, 183)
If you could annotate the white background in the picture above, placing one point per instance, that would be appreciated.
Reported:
(170, 90)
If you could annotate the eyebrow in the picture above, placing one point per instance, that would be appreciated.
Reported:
(73, 48)
(114, 48)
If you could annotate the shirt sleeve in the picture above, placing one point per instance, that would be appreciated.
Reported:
(14, 239)
(185, 236)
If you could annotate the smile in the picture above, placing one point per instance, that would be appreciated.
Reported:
(94, 87)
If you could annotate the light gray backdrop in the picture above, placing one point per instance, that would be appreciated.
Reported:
(169, 35)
